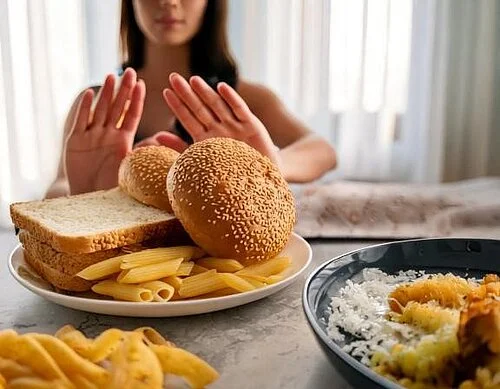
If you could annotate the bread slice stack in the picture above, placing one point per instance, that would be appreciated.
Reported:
(62, 236)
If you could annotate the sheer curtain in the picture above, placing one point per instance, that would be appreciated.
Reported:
(42, 59)
(403, 88)
(49, 51)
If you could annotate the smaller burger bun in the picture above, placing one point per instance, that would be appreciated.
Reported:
(231, 200)
(143, 174)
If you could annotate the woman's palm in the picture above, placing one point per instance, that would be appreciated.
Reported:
(96, 147)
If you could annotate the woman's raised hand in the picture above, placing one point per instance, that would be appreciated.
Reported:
(99, 140)
(204, 113)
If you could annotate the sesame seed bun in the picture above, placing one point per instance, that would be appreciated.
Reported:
(232, 201)
(143, 173)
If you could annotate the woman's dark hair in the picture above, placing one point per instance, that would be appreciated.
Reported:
(211, 58)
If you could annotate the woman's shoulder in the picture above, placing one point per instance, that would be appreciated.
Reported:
(256, 95)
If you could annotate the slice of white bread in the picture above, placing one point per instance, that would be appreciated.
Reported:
(59, 269)
(92, 222)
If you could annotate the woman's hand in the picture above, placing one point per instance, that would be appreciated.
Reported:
(97, 142)
(204, 113)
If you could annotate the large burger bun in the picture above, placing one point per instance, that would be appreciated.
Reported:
(231, 200)
(143, 173)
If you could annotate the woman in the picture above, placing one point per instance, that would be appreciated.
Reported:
(177, 48)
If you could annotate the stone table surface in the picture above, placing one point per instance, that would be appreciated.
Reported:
(264, 344)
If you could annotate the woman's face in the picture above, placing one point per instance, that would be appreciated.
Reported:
(169, 22)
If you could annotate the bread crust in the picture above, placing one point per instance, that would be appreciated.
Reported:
(233, 201)
(143, 175)
(82, 244)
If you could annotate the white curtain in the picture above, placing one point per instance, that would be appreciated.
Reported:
(43, 64)
(403, 88)
(49, 51)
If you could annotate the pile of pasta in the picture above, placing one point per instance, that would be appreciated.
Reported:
(181, 272)
(115, 359)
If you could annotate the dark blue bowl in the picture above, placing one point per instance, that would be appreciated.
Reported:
(463, 257)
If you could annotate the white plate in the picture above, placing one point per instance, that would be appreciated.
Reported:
(297, 248)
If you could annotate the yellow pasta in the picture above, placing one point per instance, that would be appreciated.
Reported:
(3, 382)
(182, 363)
(202, 283)
(95, 350)
(197, 269)
(123, 291)
(101, 269)
(268, 268)
(217, 293)
(175, 281)
(185, 269)
(10, 369)
(274, 279)
(237, 283)
(69, 361)
(28, 352)
(220, 264)
(151, 336)
(149, 272)
(37, 383)
(161, 290)
(255, 282)
(159, 255)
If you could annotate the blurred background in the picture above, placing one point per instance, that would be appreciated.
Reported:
(406, 90)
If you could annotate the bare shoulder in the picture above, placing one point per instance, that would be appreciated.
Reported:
(258, 96)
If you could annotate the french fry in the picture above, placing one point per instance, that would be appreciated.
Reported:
(161, 290)
(28, 352)
(101, 269)
(180, 362)
(220, 264)
(124, 292)
(185, 269)
(151, 272)
(237, 283)
(159, 255)
(268, 268)
(202, 283)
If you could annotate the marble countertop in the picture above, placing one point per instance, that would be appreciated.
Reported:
(265, 344)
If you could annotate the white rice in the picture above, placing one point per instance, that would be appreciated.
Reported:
(360, 310)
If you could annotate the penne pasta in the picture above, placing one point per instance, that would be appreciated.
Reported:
(237, 283)
(159, 255)
(268, 268)
(274, 279)
(220, 264)
(202, 283)
(101, 269)
(151, 272)
(253, 281)
(185, 269)
(217, 293)
(36, 383)
(175, 281)
(197, 269)
(123, 291)
(161, 290)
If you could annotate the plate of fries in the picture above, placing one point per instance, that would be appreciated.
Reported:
(171, 281)
(142, 358)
